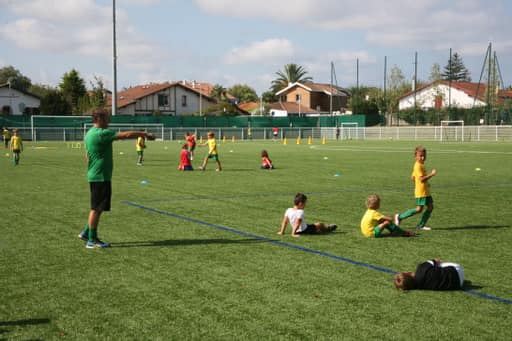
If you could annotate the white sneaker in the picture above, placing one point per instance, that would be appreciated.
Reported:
(425, 228)
(396, 219)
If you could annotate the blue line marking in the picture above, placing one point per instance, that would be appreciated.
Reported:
(296, 247)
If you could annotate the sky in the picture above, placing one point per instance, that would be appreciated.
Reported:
(232, 42)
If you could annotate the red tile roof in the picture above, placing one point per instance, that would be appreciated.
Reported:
(132, 94)
(292, 107)
(471, 89)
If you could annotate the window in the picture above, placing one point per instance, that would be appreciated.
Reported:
(163, 100)
(297, 97)
(184, 100)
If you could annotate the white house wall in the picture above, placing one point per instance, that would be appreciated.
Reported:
(17, 100)
(425, 98)
(149, 104)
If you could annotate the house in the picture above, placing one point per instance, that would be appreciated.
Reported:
(17, 102)
(312, 99)
(254, 108)
(176, 99)
(283, 109)
(441, 94)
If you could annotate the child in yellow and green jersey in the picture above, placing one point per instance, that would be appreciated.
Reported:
(16, 147)
(212, 151)
(140, 145)
(374, 223)
(421, 191)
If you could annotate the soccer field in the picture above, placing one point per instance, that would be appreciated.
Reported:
(195, 255)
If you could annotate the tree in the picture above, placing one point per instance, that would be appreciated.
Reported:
(290, 74)
(269, 97)
(73, 88)
(243, 93)
(435, 73)
(54, 103)
(218, 92)
(455, 70)
(13, 76)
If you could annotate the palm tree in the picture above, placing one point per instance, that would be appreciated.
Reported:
(292, 73)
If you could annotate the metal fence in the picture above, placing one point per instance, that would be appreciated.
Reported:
(406, 133)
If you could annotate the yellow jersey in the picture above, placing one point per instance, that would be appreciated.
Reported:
(421, 188)
(212, 146)
(370, 220)
(16, 143)
(140, 144)
(6, 134)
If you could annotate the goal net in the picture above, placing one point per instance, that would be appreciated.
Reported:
(349, 130)
(156, 129)
(452, 130)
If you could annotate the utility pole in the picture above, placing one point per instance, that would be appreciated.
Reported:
(114, 60)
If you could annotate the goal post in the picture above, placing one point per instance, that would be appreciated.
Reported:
(349, 130)
(155, 128)
(452, 130)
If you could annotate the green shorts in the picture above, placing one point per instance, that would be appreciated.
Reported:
(16, 151)
(424, 201)
(140, 152)
(191, 148)
(215, 157)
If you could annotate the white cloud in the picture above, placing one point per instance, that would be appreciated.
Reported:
(79, 27)
(266, 51)
(391, 23)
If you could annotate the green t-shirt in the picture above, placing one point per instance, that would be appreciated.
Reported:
(98, 142)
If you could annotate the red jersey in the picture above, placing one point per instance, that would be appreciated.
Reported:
(266, 162)
(191, 140)
(184, 159)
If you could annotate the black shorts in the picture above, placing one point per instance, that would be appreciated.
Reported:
(101, 193)
(310, 229)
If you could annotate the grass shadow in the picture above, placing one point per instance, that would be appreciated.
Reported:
(184, 242)
(26, 322)
(472, 227)
(468, 285)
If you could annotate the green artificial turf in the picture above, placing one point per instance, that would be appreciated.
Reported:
(196, 256)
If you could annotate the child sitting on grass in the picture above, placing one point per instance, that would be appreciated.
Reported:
(266, 163)
(432, 275)
(295, 216)
(185, 157)
(374, 223)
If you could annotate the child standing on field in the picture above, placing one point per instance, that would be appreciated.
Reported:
(212, 151)
(185, 164)
(16, 147)
(140, 145)
(295, 216)
(191, 142)
(374, 223)
(266, 163)
(421, 191)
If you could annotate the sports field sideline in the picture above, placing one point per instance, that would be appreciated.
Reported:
(196, 256)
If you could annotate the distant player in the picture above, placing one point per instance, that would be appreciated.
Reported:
(185, 164)
(100, 164)
(275, 131)
(374, 223)
(212, 151)
(191, 142)
(140, 145)
(295, 217)
(431, 275)
(16, 147)
(6, 133)
(421, 190)
(266, 163)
